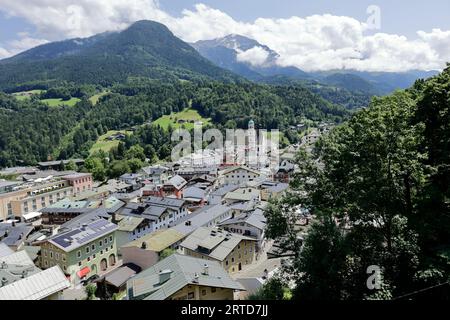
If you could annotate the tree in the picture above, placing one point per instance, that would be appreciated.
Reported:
(135, 152)
(166, 253)
(90, 290)
(273, 289)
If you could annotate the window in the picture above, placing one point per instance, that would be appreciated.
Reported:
(101, 252)
(79, 264)
(111, 247)
(203, 292)
(110, 238)
(93, 247)
(46, 263)
(45, 253)
(57, 256)
(63, 257)
(89, 259)
(79, 254)
(106, 240)
(100, 243)
(87, 249)
(51, 254)
(232, 259)
(64, 268)
(190, 295)
(213, 290)
(93, 256)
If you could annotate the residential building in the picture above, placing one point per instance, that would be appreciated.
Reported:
(80, 182)
(22, 280)
(146, 251)
(81, 252)
(181, 277)
(233, 251)
(14, 234)
(174, 186)
(238, 175)
(272, 190)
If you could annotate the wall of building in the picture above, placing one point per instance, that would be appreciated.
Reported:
(6, 210)
(195, 292)
(73, 261)
(239, 176)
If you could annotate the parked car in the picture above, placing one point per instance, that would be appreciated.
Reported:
(90, 280)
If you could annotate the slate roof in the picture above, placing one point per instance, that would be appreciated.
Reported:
(177, 181)
(255, 218)
(16, 234)
(129, 223)
(194, 193)
(202, 218)
(122, 274)
(5, 250)
(184, 270)
(219, 243)
(166, 202)
(88, 217)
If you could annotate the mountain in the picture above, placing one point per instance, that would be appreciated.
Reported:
(228, 53)
(233, 52)
(146, 49)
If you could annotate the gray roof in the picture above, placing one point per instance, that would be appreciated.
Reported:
(54, 163)
(166, 202)
(177, 181)
(278, 187)
(218, 243)
(16, 234)
(154, 212)
(88, 217)
(202, 218)
(183, 271)
(78, 237)
(121, 275)
(254, 218)
(225, 189)
(36, 286)
(194, 193)
(5, 250)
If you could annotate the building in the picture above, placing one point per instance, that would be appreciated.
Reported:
(250, 224)
(56, 165)
(80, 182)
(146, 251)
(14, 235)
(233, 251)
(247, 194)
(22, 280)
(81, 252)
(174, 186)
(272, 190)
(156, 174)
(238, 175)
(181, 277)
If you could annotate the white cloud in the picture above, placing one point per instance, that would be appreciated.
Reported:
(23, 43)
(318, 42)
(256, 56)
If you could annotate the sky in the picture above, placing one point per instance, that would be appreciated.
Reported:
(365, 35)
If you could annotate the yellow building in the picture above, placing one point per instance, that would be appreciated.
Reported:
(180, 277)
(233, 251)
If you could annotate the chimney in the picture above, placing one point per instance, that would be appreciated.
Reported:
(24, 273)
(4, 282)
(4, 265)
(144, 245)
(205, 269)
(164, 275)
(195, 278)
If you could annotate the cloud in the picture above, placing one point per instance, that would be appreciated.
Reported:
(24, 42)
(317, 42)
(256, 56)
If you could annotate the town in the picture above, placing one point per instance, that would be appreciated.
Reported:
(177, 231)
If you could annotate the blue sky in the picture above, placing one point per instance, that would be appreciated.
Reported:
(398, 16)
(311, 35)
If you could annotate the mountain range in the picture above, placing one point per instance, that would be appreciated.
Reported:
(149, 49)
(227, 52)
(146, 49)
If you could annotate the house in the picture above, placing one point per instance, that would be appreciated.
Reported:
(79, 181)
(56, 165)
(130, 178)
(146, 251)
(116, 280)
(157, 174)
(250, 224)
(216, 196)
(22, 280)
(247, 194)
(174, 186)
(83, 251)
(208, 216)
(272, 190)
(64, 211)
(14, 234)
(231, 250)
(130, 228)
(194, 196)
(238, 175)
(284, 171)
(181, 277)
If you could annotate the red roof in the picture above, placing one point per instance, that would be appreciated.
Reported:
(83, 272)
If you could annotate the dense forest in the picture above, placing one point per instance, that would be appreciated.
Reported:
(35, 132)
(381, 200)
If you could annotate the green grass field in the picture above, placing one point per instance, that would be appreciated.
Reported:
(104, 144)
(188, 115)
(94, 99)
(24, 95)
(60, 102)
